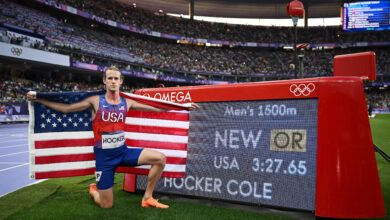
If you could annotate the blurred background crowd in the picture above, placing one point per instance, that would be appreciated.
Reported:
(96, 44)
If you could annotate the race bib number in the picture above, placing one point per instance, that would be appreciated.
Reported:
(110, 141)
(98, 174)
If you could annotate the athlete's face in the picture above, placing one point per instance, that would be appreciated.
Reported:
(113, 80)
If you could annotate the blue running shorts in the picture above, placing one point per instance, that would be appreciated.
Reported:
(107, 160)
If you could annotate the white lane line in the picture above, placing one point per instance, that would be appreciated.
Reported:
(23, 139)
(20, 145)
(7, 130)
(24, 134)
(13, 138)
(6, 155)
(11, 162)
(15, 135)
(24, 164)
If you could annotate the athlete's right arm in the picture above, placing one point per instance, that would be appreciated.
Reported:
(62, 107)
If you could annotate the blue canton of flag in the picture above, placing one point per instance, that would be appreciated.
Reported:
(49, 120)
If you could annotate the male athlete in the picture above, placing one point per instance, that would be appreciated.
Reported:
(108, 120)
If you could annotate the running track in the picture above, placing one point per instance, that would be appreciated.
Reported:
(13, 158)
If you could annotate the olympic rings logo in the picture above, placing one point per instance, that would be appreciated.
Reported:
(302, 89)
(16, 51)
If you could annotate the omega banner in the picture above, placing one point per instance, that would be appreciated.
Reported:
(260, 152)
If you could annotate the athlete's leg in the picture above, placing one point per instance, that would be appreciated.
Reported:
(157, 160)
(106, 162)
(137, 156)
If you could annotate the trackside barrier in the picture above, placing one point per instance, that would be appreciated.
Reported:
(283, 144)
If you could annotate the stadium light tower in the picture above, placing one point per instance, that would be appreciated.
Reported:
(296, 10)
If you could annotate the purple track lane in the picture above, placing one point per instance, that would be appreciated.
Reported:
(14, 158)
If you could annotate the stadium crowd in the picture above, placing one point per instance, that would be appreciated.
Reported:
(159, 21)
(379, 100)
(96, 46)
(68, 38)
(58, 33)
(14, 90)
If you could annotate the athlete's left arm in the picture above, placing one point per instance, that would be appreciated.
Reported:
(142, 107)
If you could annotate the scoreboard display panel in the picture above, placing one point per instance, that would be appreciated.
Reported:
(366, 16)
(260, 152)
(297, 144)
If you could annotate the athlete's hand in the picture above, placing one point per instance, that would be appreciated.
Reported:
(31, 96)
(193, 106)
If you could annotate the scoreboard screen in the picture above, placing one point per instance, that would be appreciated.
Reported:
(259, 152)
(366, 16)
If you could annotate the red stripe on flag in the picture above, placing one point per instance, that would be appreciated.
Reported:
(159, 115)
(64, 143)
(156, 130)
(176, 160)
(88, 157)
(146, 172)
(156, 144)
(64, 173)
(64, 158)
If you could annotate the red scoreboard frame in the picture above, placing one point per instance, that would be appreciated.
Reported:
(347, 181)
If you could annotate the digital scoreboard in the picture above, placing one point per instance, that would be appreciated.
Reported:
(366, 16)
(298, 144)
(260, 152)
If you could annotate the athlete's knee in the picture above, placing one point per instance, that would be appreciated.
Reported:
(106, 200)
(160, 159)
(152, 157)
(106, 204)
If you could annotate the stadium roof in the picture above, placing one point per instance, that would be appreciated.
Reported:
(240, 8)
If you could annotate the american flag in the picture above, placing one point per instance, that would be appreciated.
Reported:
(61, 145)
